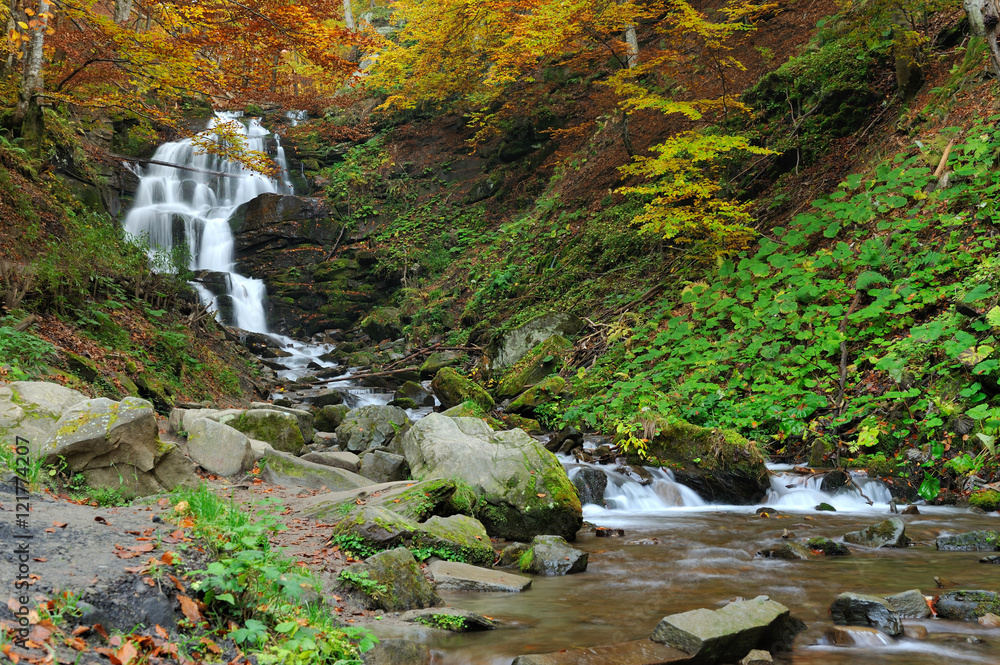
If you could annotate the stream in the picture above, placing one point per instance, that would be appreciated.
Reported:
(678, 552)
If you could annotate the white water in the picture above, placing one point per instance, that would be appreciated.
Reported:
(194, 206)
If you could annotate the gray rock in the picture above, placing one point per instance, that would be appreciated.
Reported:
(858, 609)
(30, 409)
(455, 576)
(967, 605)
(284, 469)
(451, 619)
(458, 537)
(729, 633)
(518, 342)
(181, 420)
(327, 398)
(590, 484)
(910, 604)
(416, 392)
(399, 584)
(278, 428)
(397, 652)
(260, 449)
(787, 550)
(373, 426)
(889, 533)
(860, 636)
(552, 555)
(990, 559)
(304, 418)
(973, 541)
(219, 449)
(341, 460)
(174, 470)
(522, 488)
(757, 657)
(100, 432)
(328, 418)
(383, 467)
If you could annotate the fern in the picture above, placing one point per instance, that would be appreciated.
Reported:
(870, 278)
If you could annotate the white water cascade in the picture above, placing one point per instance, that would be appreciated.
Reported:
(192, 205)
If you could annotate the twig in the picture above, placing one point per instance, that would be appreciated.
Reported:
(858, 487)
(365, 375)
(157, 162)
(336, 244)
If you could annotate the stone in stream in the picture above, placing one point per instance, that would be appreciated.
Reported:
(396, 651)
(416, 392)
(373, 426)
(389, 580)
(788, 550)
(858, 636)
(383, 467)
(989, 620)
(834, 480)
(565, 440)
(757, 657)
(552, 555)
(451, 389)
(729, 633)
(889, 533)
(450, 619)
(327, 398)
(826, 507)
(341, 460)
(455, 576)
(219, 449)
(990, 559)
(858, 609)
(967, 605)
(637, 652)
(827, 546)
(973, 541)
(329, 417)
(910, 604)
(510, 556)
(590, 484)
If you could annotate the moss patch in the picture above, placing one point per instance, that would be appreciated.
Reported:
(452, 388)
(988, 500)
(541, 361)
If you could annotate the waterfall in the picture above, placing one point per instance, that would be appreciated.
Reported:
(181, 208)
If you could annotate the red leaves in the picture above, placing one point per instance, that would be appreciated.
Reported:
(191, 609)
(133, 551)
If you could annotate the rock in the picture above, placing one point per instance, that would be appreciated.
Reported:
(788, 550)
(304, 418)
(455, 538)
(565, 440)
(757, 657)
(174, 470)
(373, 426)
(284, 469)
(910, 510)
(590, 484)
(416, 392)
(260, 449)
(389, 580)
(989, 620)
(279, 429)
(340, 460)
(529, 371)
(514, 345)
(834, 480)
(451, 389)
(382, 323)
(990, 559)
(637, 473)
(973, 541)
(374, 528)
(450, 619)
(397, 652)
(910, 604)
(469, 409)
(727, 634)
(637, 652)
(30, 409)
(511, 555)
(858, 609)
(826, 507)
(327, 398)
(529, 425)
(181, 419)
(219, 449)
(383, 467)
(729, 469)
(438, 361)
(522, 489)
(890, 533)
(914, 631)
(967, 605)
(329, 418)
(455, 576)
(828, 547)
(988, 500)
(860, 636)
(404, 403)
(552, 555)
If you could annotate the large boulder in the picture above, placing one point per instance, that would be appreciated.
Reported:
(452, 389)
(541, 393)
(383, 323)
(539, 363)
(284, 469)
(967, 605)
(456, 576)
(219, 449)
(522, 489)
(30, 409)
(719, 464)
(437, 361)
(390, 581)
(373, 529)
(590, 484)
(858, 609)
(455, 538)
(373, 426)
(279, 429)
(552, 555)
(328, 418)
(973, 541)
(515, 344)
(416, 392)
(271, 222)
(888, 533)
(181, 420)
(728, 634)
(303, 417)
(382, 467)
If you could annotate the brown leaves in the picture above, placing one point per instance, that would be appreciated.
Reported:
(190, 608)
(133, 551)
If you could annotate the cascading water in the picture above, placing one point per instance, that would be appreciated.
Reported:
(192, 206)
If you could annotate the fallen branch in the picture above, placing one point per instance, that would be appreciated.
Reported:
(25, 323)
(365, 375)
(157, 162)
(858, 487)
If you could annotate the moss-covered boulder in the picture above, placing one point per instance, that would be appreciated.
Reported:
(542, 361)
(452, 389)
(521, 488)
(552, 555)
(437, 361)
(517, 343)
(373, 426)
(438, 496)
(383, 323)
(329, 418)
(390, 580)
(511, 420)
(455, 538)
(279, 429)
(973, 541)
(542, 392)
(827, 546)
(719, 464)
(417, 393)
(888, 533)
(284, 469)
(372, 529)
(470, 409)
(988, 500)
(967, 605)
(30, 409)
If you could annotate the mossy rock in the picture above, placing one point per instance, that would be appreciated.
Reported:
(438, 361)
(156, 391)
(329, 418)
(967, 605)
(452, 389)
(383, 323)
(470, 409)
(527, 424)
(371, 529)
(828, 547)
(455, 538)
(540, 362)
(988, 500)
(404, 403)
(85, 368)
(389, 580)
(973, 541)
(439, 496)
(336, 269)
(279, 429)
(719, 464)
(542, 392)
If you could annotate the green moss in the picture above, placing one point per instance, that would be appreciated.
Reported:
(524, 563)
(541, 361)
(988, 500)
(452, 388)
(543, 392)
(470, 409)
(281, 432)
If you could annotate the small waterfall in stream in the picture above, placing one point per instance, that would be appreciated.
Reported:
(191, 206)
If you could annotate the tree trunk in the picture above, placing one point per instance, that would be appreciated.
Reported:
(348, 15)
(984, 16)
(632, 41)
(974, 10)
(123, 9)
(28, 112)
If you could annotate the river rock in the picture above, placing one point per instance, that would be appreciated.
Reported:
(219, 449)
(729, 633)
(859, 636)
(284, 469)
(383, 467)
(828, 547)
(565, 440)
(416, 392)
(637, 652)
(834, 480)
(967, 605)
(542, 361)
(590, 484)
(327, 398)
(438, 361)
(510, 556)
(541, 393)
(858, 609)
(990, 559)
(522, 489)
(30, 409)
(373, 426)
(399, 583)
(757, 657)
(973, 541)
(375, 528)
(889, 533)
(518, 342)
(329, 418)
(910, 604)
(458, 537)
(451, 389)
(304, 418)
(451, 619)
(394, 651)
(279, 429)
(552, 555)
(989, 620)
(340, 460)
(788, 550)
(455, 576)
